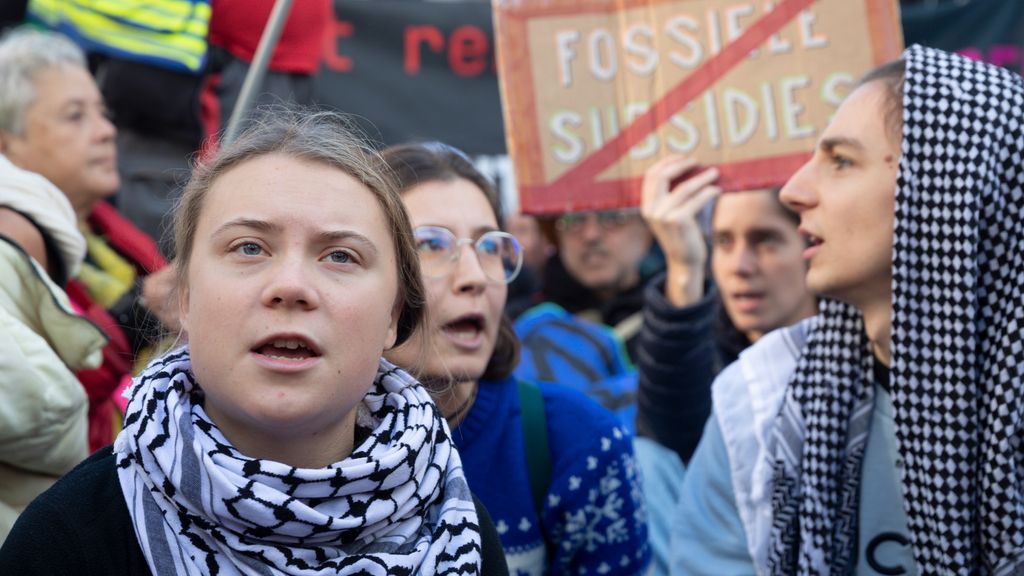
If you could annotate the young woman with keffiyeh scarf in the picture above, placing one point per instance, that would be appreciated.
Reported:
(883, 436)
(277, 441)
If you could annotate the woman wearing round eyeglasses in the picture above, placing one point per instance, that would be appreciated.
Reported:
(586, 513)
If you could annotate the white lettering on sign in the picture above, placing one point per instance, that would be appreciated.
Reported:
(638, 41)
(688, 45)
(565, 39)
(726, 117)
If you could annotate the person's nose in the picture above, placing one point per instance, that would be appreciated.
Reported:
(104, 129)
(745, 261)
(590, 228)
(289, 284)
(798, 194)
(469, 275)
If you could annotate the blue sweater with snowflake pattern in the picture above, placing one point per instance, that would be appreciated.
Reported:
(594, 519)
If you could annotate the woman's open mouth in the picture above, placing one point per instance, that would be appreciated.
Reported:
(286, 353)
(286, 350)
(465, 331)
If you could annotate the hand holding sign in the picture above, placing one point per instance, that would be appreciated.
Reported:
(674, 192)
(595, 91)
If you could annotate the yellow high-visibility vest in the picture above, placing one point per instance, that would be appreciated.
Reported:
(168, 33)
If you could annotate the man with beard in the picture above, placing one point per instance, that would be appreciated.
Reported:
(604, 259)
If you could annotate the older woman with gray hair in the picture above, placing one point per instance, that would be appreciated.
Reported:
(53, 122)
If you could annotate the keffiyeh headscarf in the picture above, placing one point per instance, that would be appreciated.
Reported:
(399, 504)
(957, 347)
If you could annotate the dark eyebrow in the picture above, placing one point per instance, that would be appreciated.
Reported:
(764, 231)
(829, 144)
(477, 232)
(325, 237)
(481, 230)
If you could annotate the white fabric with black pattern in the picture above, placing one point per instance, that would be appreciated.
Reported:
(957, 349)
(399, 504)
(820, 439)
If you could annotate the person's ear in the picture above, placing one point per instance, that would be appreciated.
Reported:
(13, 147)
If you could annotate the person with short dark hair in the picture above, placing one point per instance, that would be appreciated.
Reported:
(583, 329)
(695, 323)
(603, 261)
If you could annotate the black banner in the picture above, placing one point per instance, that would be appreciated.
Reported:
(989, 30)
(416, 70)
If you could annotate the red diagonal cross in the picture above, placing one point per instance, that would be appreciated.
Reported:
(586, 172)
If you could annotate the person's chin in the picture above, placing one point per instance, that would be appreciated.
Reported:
(599, 280)
(443, 368)
(818, 280)
(746, 322)
(105, 179)
(106, 188)
(827, 287)
(467, 367)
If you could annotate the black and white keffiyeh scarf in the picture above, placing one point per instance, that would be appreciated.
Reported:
(399, 504)
(957, 347)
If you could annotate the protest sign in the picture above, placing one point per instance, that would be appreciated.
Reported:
(594, 91)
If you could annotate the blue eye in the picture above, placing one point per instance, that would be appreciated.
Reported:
(488, 245)
(340, 257)
(431, 244)
(250, 249)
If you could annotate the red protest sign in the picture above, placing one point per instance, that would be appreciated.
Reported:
(594, 91)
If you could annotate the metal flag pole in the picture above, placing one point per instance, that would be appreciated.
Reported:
(258, 68)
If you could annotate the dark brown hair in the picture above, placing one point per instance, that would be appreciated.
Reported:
(891, 75)
(318, 136)
(788, 214)
(418, 163)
